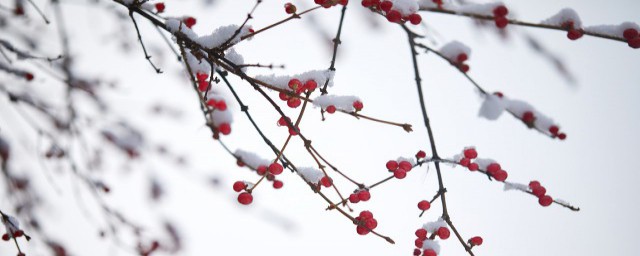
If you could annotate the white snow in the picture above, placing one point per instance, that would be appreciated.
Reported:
(174, 25)
(340, 102)
(612, 30)
(452, 49)
(221, 35)
(484, 162)
(433, 226)
(405, 7)
(446, 4)
(10, 225)
(311, 174)
(492, 107)
(236, 58)
(431, 244)
(282, 82)
(198, 66)
(515, 186)
(251, 159)
(565, 15)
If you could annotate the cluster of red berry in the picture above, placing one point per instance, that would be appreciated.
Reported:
(270, 174)
(633, 39)
(330, 3)
(360, 195)
(16, 234)
(284, 121)
(365, 222)
(492, 169)
(572, 32)
(392, 15)
(540, 192)
(297, 87)
(399, 169)
(500, 16)
(357, 105)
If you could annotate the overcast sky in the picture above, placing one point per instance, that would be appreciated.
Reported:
(594, 168)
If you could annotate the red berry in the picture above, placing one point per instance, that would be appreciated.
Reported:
(476, 240)
(443, 233)
(404, 165)
(493, 167)
(326, 181)
(211, 103)
(277, 184)
(331, 109)
(630, 33)
(275, 168)
(554, 129)
(358, 105)
(421, 154)
(470, 153)
(310, 85)
(394, 16)
(203, 85)
(239, 186)
(424, 205)
(201, 76)
(415, 18)
(501, 175)
(562, 136)
(362, 230)
(539, 191)
(416, 252)
(293, 132)
(574, 34)
(245, 198)
(294, 102)
(262, 170)
(462, 57)
(354, 199)
(18, 233)
(283, 121)
(295, 84)
(289, 8)
(400, 174)
(500, 11)
(473, 167)
(221, 105)
(343, 2)
(528, 118)
(464, 68)
(464, 162)
(365, 215)
(270, 177)
(634, 43)
(367, 3)
(364, 195)
(28, 76)
(534, 183)
(429, 252)
(501, 22)
(189, 21)
(371, 223)
(386, 6)
(499, 94)
(283, 96)
(421, 233)
(545, 201)
(224, 128)
(419, 242)
(240, 163)
(392, 165)
(5, 237)
(160, 7)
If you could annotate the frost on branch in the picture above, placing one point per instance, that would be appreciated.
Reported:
(339, 102)
(561, 18)
(495, 104)
(11, 224)
(613, 30)
(453, 49)
(251, 159)
(197, 65)
(177, 25)
(311, 175)
(515, 186)
(282, 82)
(222, 35)
(405, 7)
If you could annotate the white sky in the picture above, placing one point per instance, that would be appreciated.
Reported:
(593, 169)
